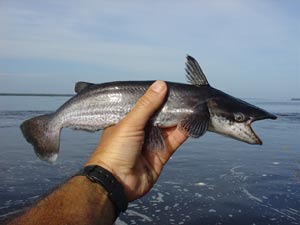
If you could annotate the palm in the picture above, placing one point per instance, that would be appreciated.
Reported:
(136, 169)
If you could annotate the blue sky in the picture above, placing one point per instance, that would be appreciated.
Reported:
(245, 48)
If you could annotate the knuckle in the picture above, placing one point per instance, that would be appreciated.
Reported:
(145, 101)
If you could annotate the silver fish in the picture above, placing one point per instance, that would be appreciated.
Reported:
(194, 108)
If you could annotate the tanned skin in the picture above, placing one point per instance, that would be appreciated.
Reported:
(79, 201)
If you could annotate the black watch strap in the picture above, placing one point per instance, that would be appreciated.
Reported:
(105, 178)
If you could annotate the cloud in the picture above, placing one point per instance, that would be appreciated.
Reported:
(142, 37)
(78, 32)
(136, 23)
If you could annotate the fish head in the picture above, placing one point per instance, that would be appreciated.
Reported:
(233, 117)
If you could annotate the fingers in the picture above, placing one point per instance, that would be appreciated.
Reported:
(174, 138)
(147, 105)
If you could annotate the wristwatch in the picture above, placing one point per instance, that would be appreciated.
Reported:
(114, 188)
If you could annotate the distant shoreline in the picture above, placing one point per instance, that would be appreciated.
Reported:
(64, 95)
(35, 94)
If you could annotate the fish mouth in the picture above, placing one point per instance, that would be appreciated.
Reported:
(244, 132)
(254, 139)
(239, 131)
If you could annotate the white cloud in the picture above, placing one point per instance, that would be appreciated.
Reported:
(140, 22)
(229, 37)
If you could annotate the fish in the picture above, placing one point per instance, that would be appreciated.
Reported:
(193, 108)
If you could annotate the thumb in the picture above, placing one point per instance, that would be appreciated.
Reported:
(147, 105)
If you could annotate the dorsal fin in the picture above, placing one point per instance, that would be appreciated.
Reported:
(81, 85)
(194, 73)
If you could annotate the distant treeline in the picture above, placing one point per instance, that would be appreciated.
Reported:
(34, 94)
(295, 99)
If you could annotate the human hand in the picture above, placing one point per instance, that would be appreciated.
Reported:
(120, 149)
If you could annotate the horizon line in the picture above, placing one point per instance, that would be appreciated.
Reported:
(36, 94)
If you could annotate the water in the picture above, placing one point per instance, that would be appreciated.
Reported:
(211, 180)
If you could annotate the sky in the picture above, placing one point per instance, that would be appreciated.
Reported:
(249, 49)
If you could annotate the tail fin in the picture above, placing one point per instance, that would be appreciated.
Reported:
(43, 135)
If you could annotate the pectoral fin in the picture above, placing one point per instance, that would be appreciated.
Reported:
(197, 124)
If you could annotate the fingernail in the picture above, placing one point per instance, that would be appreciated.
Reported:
(158, 86)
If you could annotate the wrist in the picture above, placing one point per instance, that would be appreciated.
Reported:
(105, 179)
(108, 166)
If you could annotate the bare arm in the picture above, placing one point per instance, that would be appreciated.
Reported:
(79, 201)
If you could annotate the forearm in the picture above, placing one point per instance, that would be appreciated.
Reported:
(79, 201)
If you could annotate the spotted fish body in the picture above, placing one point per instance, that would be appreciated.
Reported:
(194, 108)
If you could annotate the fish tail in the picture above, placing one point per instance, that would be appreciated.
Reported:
(43, 133)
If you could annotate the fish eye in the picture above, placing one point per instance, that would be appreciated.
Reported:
(239, 117)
